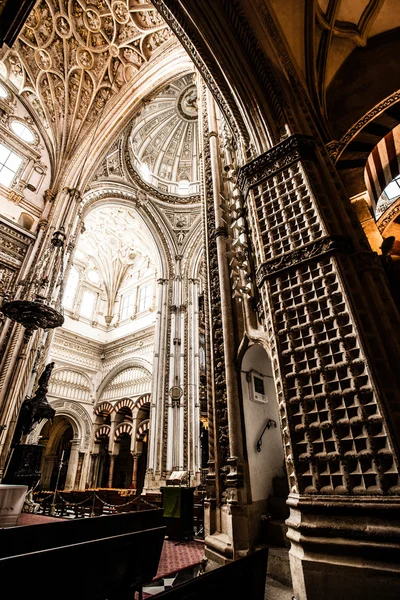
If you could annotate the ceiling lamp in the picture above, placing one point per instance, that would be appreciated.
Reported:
(37, 308)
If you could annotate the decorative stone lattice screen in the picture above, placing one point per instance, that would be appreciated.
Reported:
(335, 437)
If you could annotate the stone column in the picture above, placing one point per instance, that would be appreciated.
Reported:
(111, 471)
(320, 289)
(72, 465)
(135, 456)
(48, 466)
(94, 458)
(157, 409)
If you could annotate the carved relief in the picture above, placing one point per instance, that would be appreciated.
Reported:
(76, 55)
(334, 433)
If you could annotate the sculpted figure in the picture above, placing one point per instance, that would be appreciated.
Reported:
(36, 408)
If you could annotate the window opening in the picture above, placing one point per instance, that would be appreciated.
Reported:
(87, 304)
(23, 132)
(145, 297)
(9, 165)
(126, 307)
(70, 289)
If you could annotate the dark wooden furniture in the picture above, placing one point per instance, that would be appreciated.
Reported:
(19, 540)
(242, 579)
(110, 568)
(178, 511)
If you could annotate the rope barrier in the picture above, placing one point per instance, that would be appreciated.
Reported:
(92, 497)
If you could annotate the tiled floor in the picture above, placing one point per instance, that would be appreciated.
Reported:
(164, 583)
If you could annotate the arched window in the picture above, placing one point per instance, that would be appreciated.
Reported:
(70, 288)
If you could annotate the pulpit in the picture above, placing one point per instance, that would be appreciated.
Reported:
(11, 503)
(178, 511)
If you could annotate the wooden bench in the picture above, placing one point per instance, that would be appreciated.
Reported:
(242, 579)
(110, 568)
(24, 539)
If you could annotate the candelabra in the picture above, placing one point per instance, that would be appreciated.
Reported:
(39, 305)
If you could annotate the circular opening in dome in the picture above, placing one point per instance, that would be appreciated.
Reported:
(183, 187)
(145, 172)
(93, 276)
(23, 132)
(3, 92)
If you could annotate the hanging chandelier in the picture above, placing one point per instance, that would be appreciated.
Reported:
(39, 306)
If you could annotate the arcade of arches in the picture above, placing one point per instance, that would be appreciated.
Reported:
(227, 179)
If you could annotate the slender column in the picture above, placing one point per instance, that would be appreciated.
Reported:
(135, 456)
(157, 398)
(111, 471)
(72, 465)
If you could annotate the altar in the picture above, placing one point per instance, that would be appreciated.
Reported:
(11, 502)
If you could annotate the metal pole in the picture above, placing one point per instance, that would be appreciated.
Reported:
(60, 466)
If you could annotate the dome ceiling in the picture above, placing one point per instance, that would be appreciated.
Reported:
(163, 141)
(115, 242)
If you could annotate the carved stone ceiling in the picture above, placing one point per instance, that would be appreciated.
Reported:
(115, 242)
(343, 25)
(72, 56)
(164, 136)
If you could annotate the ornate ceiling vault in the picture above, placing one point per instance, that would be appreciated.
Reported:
(74, 55)
(163, 141)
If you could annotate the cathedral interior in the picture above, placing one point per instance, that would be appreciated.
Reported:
(200, 232)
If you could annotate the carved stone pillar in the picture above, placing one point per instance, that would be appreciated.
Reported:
(319, 291)
(72, 465)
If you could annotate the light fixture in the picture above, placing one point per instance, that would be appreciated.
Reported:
(40, 307)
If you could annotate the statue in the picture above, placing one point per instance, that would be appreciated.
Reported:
(25, 459)
(36, 408)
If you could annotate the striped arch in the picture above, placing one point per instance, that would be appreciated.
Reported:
(383, 165)
(103, 431)
(104, 408)
(123, 428)
(145, 399)
(125, 402)
(142, 429)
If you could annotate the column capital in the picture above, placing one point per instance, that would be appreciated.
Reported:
(294, 148)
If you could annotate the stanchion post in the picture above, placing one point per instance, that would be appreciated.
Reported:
(53, 504)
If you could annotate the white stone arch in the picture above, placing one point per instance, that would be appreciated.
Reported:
(159, 240)
(79, 418)
(58, 388)
(122, 366)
